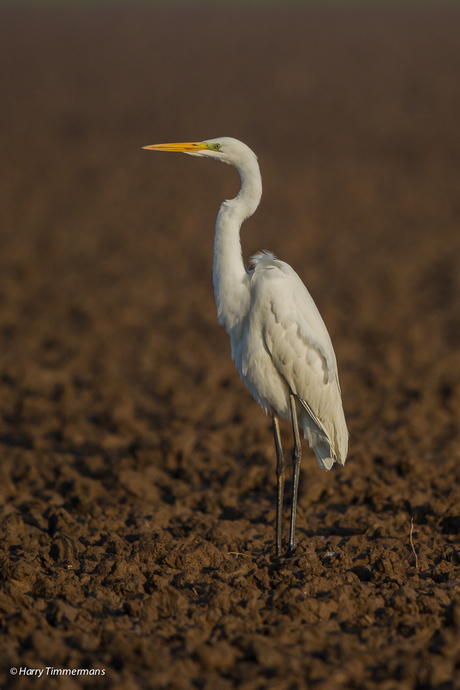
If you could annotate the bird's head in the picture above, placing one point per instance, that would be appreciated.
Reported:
(223, 149)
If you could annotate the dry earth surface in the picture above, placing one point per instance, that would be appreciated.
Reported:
(137, 474)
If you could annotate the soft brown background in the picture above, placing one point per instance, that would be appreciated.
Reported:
(137, 474)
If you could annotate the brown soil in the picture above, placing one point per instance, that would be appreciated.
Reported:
(137, 474)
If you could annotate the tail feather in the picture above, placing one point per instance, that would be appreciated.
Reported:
(325, 452)
(323, 455)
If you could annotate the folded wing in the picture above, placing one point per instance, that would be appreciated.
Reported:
(302, 352)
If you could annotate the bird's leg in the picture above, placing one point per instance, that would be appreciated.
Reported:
(296, 462)
(280, 472)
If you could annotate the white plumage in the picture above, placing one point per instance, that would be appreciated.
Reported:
(286, 348)
(279, 341)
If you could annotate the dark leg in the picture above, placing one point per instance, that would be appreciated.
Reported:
(296, 462)
(279, 482)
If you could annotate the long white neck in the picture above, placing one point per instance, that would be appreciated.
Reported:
(231, 284)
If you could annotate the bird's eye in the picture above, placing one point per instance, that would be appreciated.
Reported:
(217, 147)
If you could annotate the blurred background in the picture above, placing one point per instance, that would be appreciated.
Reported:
(351, 108)
(118, 397)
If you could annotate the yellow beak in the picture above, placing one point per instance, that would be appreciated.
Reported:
(190, 147)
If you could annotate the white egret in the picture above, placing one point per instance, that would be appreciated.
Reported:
(279, 341)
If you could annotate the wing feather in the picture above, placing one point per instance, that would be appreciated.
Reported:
(298, 342)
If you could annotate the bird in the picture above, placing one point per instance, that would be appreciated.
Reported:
(279, 342)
